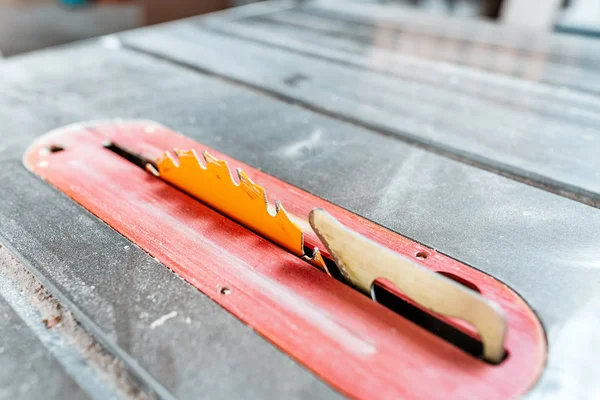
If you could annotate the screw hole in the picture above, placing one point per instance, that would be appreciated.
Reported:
(225, 291)
(55, 148)
(421, 255)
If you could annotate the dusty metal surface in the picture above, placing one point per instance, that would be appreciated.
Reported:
(73, 350)
(538, 133)
(543, 245)
(28, 368)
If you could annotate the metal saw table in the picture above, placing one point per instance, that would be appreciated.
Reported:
(475, 141)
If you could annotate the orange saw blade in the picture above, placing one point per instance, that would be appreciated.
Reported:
(209, 180)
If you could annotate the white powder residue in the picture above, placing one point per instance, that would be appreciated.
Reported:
(160, 321)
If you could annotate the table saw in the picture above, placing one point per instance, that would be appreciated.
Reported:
(302, 200)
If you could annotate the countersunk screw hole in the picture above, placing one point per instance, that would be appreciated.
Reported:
(55, 148)
(421, 255)
(225, 291)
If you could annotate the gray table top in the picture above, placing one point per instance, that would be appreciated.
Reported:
(473, 140)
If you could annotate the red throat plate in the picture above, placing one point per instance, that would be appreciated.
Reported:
(358, 346)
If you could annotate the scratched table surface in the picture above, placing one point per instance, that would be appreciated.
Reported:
(475, 140)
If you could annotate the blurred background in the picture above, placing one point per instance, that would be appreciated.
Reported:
(27, 25)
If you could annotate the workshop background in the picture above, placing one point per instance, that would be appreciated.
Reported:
(27, 25)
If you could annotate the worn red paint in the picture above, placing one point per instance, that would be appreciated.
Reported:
(359, 347)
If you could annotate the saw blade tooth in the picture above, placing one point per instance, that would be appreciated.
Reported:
(252, 189)
(181, 152)
(209, 159)
(219, 167)
(316, 258)
(174, 155)
(238, 175)
(281, 213)
(278, 207)
(188, 159)
(167, 161)
(287, 224)
(242, 176)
